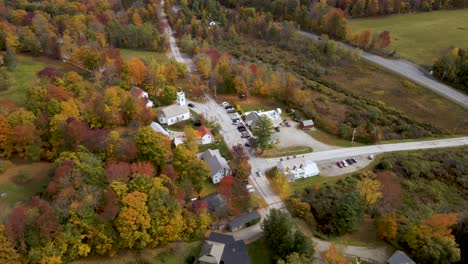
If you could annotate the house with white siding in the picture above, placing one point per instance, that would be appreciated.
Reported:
(176, 112)
(218, 165)
(297, 168)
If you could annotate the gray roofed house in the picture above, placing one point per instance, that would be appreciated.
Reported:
(251, 118)
(399, 257)
(215, 203)
(232, 251)
(218, 165)
(243, 220)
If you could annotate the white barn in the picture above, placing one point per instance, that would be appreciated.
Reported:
(297, 168)
(251, 118)
(174, 113)
(138, 93)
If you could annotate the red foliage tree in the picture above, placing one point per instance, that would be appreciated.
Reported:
(111, 208)
(6, 106)
(126, 150)
(15, 228)
(46, 222)
(170, 172)
(117, 171)
(57, 93)
(49, 73)
(145, 168)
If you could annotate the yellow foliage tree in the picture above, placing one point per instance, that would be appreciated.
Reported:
(280, 184)
(133, 220)
(387, 227)
(369, 189)
(138, 71)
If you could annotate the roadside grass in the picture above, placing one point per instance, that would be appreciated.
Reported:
(288, 151)
(26, 72)
(419, 103)
(299, 184)
(329, 139)
(259, 252)
(145, 55)
(176, 253)
(420, 37)
(421, 139)
(365, 236)
(37, 175)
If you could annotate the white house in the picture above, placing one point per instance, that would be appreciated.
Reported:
(175, 112)
(296, 168)
(218, 165)
(205, 136)
(274, 115)
(138, 93)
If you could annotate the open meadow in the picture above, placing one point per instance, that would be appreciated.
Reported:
(421, 37)
(26, 72)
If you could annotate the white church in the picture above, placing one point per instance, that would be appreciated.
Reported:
(176, 112)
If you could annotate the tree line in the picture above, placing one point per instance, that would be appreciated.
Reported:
(452, 67)
(66, 29)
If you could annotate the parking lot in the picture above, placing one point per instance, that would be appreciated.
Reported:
(294, 136)
(330, 168)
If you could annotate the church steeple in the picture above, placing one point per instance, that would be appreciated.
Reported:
(181, 98)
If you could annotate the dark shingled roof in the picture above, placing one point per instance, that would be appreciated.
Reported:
(400, 257)
(235, 252)
(215, 202)
(244, 218)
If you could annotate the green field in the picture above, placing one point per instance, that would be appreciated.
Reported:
(421, 37)
(259, 252)
(25, 74)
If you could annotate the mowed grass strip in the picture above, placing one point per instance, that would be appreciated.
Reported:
(421, 37)
(26, 72)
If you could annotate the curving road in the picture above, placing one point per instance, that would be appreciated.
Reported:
(410, 71)
(213, 111)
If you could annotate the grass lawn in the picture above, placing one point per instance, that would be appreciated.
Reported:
(145, 55)
(300, 184)
(38, 172)
(25, 74)
(176, 253)
(365, 236)
(422, 36)
(332, 140)
(259, 252)
(288, 151)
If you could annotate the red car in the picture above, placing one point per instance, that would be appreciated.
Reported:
(339, 164)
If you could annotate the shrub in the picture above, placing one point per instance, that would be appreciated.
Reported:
(23, 177)
(4, 165)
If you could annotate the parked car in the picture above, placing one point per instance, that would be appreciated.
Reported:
(371, 156)
(287, 124)
(224, 104)
(236, 122)
(339, 164)
(247, 145)
(259, 174)
(245, 134)
(344, 163)
(242, 129)
(191, 105)
(228, 107)
(245, 182)
(349, 161)
(297, 119)
(277, 129)
(230, 111)
(355, 161)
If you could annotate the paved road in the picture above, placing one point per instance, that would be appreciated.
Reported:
(410, 71)
(213, 111)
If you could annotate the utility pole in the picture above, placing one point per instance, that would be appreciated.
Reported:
(354, 133)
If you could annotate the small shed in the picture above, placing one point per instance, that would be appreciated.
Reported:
(243, 220)
(307, 124)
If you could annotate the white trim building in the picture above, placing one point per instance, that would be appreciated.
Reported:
(174, 113)
(274, 115)
(297, 168)
(218, 165)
